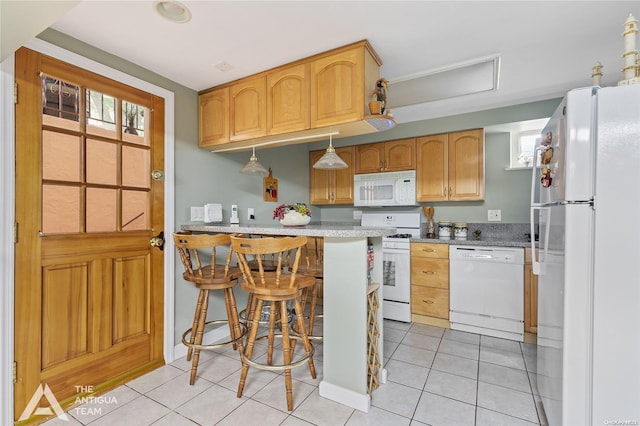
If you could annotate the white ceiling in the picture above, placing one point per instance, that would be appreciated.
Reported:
(546, 47)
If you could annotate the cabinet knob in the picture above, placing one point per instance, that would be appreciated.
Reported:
(429, 272)
(429, 250)
(428, 301)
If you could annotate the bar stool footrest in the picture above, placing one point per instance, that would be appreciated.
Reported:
(243, 329)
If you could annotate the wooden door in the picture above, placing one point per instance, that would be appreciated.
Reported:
(337, 95)
(343, 178)
(466, 165)
(400, 155)
(248, 109)
(89, 288)
(213, 120)
(370, 158)
(288, 100)
(433, 168)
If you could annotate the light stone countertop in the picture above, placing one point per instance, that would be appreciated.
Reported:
(484, 241)
(322, 229)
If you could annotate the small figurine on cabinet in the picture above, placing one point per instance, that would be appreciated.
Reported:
(380, 95)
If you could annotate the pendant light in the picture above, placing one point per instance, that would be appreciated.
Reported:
(330, 160)
(253, 167)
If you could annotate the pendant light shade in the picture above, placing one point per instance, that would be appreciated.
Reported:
(253, 167)
(330, 160)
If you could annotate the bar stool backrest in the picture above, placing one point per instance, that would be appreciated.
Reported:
(201, 248)
(285, 250)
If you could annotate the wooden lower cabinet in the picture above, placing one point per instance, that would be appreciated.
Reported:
(432, 302)
(430, 280)
(530, 295)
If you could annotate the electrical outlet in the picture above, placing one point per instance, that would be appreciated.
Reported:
(357, 214)
(251, 214)
(197, 214)
(494, 215)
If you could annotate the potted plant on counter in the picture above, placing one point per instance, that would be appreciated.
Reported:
(296, 214)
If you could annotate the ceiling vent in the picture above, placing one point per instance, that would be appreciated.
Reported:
(478, 75)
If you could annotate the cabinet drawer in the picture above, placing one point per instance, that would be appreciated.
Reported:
(433, 302)
(440, 251)
(430, 272)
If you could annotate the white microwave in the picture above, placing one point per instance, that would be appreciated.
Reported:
(385, 189)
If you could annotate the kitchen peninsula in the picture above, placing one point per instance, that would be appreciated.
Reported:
(344, 301)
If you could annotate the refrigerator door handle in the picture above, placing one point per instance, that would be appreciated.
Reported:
(534, 175)
(539, 267)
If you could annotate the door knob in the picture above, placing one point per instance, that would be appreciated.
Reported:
(158, 241)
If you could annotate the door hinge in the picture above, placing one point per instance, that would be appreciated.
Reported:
(15, 372)
(15, 232)
(15, 92)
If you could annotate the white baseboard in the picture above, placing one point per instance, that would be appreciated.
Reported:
(218, 334)
(344, 396)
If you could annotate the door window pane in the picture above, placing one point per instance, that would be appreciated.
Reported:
(60, 157)
(135, 210)
(135, 167)
(133, 123)
(60, 209)
(102, 207)
(101, 114)
(60, 103)
(102, 162)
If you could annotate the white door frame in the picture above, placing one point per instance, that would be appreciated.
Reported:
(7, 199)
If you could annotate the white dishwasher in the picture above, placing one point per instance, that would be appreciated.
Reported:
(487, 290)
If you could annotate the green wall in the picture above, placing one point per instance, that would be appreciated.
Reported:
(203, 177)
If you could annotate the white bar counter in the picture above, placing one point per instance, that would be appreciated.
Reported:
(344, 301)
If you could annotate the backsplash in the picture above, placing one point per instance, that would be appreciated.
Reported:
(495, 231)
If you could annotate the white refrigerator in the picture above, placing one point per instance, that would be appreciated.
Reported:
(586, 204)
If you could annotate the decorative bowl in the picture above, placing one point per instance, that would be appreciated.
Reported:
(293, 218)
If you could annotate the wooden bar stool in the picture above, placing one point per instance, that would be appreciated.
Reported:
(312, 265)
(277, 287)
(193, 247)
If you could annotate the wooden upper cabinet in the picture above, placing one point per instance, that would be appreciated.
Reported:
(432, 175)
(450, 167)
(288, 108)
(370, 158)
(331, 186)
(326, 92)
(340, 84)
(388, 156)
(213, 121)
(466, 165)
(248, 109)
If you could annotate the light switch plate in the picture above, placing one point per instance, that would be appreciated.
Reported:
(197, 214)
(494, 215)
(357, 214)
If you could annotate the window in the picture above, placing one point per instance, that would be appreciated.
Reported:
(522, 146)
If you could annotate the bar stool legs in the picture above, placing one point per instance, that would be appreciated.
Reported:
(278, 309)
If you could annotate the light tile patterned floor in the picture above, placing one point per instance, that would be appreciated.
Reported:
(435, 377)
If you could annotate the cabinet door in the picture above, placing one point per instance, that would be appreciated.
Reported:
(432, 168)
(319, 191)
(433, 302)
(466, 165)
(343, 178)
(430, 272)
(430, 250)
(331, 186)
(248, 109)
(400, 155)
(370, 158)
(288, 100)
(337, 92)
(213, 120)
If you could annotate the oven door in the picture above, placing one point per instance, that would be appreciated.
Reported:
(396, 278)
